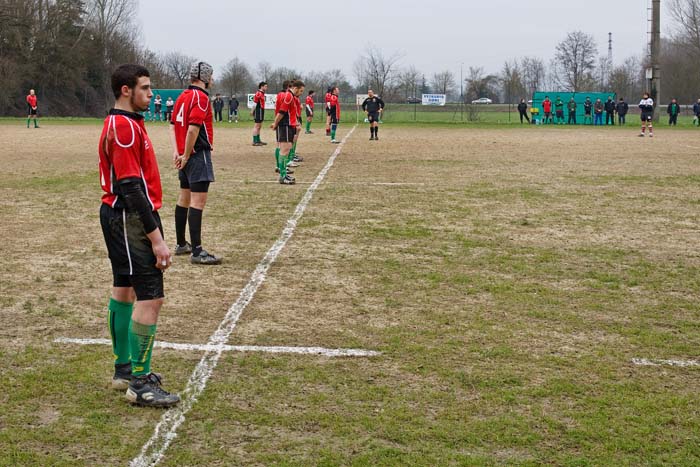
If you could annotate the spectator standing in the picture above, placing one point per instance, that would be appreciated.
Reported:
(233, 109)
(218, 108)
(587, 111)
(622, 109)
(547, 109)
(673, 110)
(522, 108)
(571, 107)
(559, 109)
(598, 112)
(696, 113)
(610, 111)
(169, 104)
(157, 108)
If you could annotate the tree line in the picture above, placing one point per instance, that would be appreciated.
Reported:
(67, 49)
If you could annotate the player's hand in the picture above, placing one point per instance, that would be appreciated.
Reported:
(273, 127)
(175, 156)
(181, 162)
(163, 257)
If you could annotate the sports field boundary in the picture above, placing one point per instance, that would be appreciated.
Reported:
(166, 430)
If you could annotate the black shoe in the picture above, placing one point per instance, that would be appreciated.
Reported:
(376, 138)
(287, 180)
(205, 258)
(146, 391)
(309, 133)
(122, 376)
(257, 144)
(185, 249)
(371, 138)
(262, 143)
(298, 159)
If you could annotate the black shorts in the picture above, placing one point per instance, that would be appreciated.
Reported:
(309, 113)
(334, 118)
(259, 115)
(285, 133)
(131, 253)
(560, 113)
(31, 111)
(373, 117)
(199, 168)
(548, 114)
(158, 108)
(647, 116)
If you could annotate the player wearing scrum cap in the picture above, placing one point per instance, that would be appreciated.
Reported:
(647, 107)
(192, 139)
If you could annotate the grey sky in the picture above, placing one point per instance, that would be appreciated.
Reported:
(321, 35)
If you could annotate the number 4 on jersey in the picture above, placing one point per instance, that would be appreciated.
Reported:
(180, 117)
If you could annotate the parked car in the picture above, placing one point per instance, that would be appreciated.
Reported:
(483, 100)
(413, 100)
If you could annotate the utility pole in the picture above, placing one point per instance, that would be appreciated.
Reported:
(654, 55)
(461, 90)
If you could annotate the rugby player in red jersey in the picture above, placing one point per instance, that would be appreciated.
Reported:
(258, 113)
(192, 139)
(309, 107)
(132, 230)
(334, 114)
(32, 108)
(327, 103)
(285, 124)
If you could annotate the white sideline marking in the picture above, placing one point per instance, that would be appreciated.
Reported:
(655, 362)
(344, 183)
(237, 348)
(166, 430)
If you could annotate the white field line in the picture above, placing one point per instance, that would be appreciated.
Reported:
(658, 362)
(236, 348)
(343, 183)
(166, 430)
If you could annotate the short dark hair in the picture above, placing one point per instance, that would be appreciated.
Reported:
(311, 93)
(261, 84)
(297, 83)
(127, 75)
(285, 84)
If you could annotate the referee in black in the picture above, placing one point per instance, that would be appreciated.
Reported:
(373, 107)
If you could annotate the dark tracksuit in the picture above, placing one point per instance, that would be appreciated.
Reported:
(571, 107)
(673, 110)
(622, 109)
(218, 107)
(610, 112)
(522, 108)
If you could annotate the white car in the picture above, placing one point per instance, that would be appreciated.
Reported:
(483, 100)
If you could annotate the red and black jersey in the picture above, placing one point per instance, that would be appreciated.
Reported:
(297, 105)
(193, 108)
(31, 100)
(547, 106)
(286, 105)
(334, 105)
(126, 152)
(259, 99)
(310, 102)
(327, 100)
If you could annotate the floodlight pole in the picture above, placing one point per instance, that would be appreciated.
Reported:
(461, 90)
(655, 90)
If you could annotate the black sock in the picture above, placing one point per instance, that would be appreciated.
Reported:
(180, 224)
(195, 220)
(376, 131)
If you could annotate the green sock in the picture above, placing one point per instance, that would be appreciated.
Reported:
(293, 151)
(277, 158)
(118, 318)
(256, 138)
(28, 120)
(283, 165)
(35, 125)
(332, 134)
(308, 126)
(141, 337)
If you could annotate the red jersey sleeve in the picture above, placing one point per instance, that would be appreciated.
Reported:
(198, 109)
(310, 101)
(286, 103)
(124, 141)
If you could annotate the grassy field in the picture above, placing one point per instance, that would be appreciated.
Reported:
(508, 276)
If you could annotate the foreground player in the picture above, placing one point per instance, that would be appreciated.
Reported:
(32, 108)
(373, 107)
(334, 113)
(285, 128)
(647, 107)
(309, 112)
(192, 139)
(258, 113)
(134, 236)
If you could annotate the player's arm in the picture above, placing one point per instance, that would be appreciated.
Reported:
(278, 118)
(381, 105)
(364, 106)
(190, 140)
(173, 142)
(136, 201)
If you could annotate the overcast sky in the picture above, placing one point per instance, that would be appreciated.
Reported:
(321, 35)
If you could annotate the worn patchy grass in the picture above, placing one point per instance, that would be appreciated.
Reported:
(507, 277)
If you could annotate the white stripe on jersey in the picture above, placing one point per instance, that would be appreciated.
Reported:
(113, 123)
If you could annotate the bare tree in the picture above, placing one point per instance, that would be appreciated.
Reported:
(533, 73)
(409, 82)
(178, 66)
(236, 78)
(574, 61)
(626, 80)
(479, 84)
(264, 70)
(443, 82)
(375, 70)
(512, 82)
(686, 24)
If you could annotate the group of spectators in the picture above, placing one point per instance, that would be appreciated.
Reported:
(218, 105)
